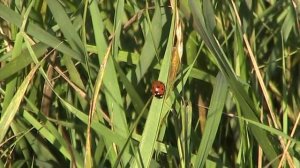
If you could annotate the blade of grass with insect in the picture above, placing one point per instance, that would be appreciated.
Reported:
(248, 109)
(171, 98)
(151, 129)
(237, 41)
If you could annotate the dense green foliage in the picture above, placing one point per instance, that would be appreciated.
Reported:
(76, 80)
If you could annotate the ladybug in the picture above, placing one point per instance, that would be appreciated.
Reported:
(158, 89)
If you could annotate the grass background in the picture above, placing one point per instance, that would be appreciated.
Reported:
(76, 80)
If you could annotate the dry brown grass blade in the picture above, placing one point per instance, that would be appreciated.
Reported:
(76, 88)
(178, 47)
(47, 90)
(285, 154)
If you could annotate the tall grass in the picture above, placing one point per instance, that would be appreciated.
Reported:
(76, 80)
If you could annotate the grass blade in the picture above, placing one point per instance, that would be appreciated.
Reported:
(12, 109)
(215, 110)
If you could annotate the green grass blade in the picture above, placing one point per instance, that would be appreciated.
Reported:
(151, 45)
(12, 109)
(66, 26)
(247, 106)
(151, 129)
(20, 63)
(50, 133)
(37, 32)
(220, 92)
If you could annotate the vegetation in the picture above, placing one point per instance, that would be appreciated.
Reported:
(76, 83)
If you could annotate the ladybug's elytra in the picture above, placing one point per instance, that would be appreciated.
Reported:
(158, 89)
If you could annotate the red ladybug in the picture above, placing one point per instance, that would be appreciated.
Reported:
(158, 89)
